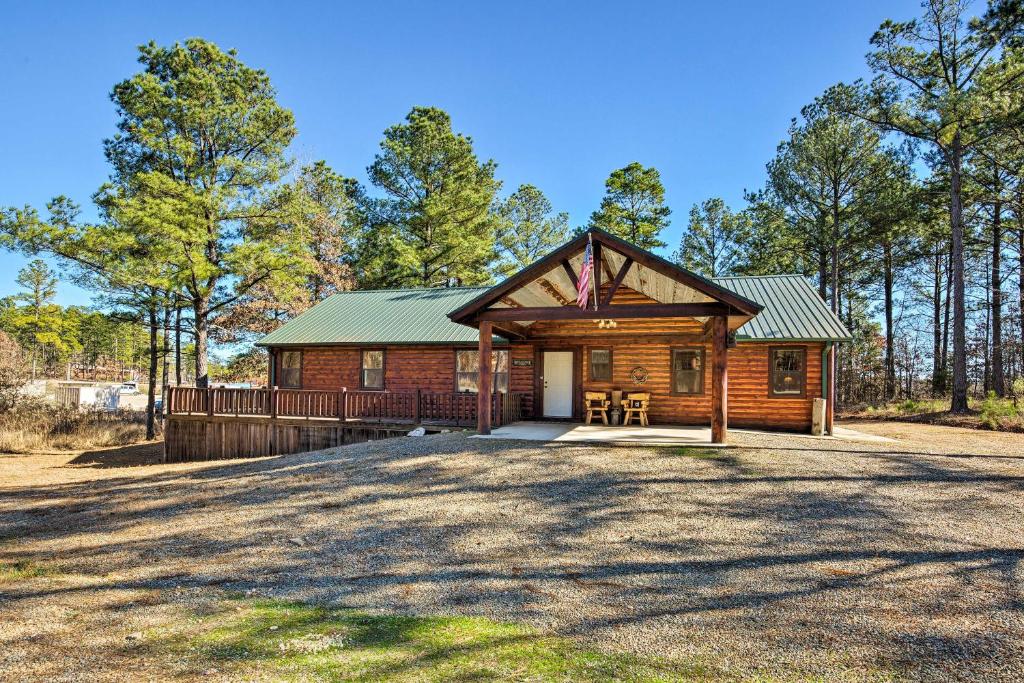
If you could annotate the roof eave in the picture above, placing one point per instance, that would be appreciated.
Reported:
(281, 345)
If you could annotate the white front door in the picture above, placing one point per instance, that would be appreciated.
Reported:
(557, 383)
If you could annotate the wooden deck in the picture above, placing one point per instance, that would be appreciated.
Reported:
(210, 424)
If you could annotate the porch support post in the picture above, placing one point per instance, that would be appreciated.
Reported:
(830, 388)
(483, 396)
(719, 379)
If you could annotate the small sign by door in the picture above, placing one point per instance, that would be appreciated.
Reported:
(522, 362)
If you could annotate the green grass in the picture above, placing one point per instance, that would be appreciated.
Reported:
(20, 570)
(704, 453)
(291, 641)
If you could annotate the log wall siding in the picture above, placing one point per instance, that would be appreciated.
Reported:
(432, 368)
(521, 376)
(749, 403)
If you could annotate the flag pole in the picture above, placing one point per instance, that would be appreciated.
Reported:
(593, 267)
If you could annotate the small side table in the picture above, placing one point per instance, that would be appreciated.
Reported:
(615, 414)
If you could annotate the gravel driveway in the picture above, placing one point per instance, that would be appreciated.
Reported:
(786, 556)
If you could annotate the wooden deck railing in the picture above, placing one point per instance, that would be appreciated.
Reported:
(458, 409)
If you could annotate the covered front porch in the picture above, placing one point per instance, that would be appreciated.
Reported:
(639, 308)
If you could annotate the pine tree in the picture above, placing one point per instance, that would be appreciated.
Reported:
(711, 245)
(528, 229)
(435, 217)
(927, 87)
(198, 164)
(633, 206)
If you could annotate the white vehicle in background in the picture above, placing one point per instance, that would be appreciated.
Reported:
(128, 388)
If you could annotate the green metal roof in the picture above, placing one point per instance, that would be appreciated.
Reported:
(793, 311)
(381, 316)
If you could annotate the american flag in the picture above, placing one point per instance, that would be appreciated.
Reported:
(583, 286)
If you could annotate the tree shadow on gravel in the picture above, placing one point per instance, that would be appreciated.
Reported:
(593, 541)
(133, 455)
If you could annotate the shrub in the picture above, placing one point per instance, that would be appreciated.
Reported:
(909, 406)
(993, 409)
(34, 425)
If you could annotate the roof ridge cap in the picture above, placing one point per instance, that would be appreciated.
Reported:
(409, 289)
(750, 277)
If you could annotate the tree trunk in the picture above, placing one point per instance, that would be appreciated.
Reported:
(177, 345)
(154, 360)
(834, 274)
(890, 353)
(986, 370)
(841, 388)
(947, 305)
(847, 357)
(1020, 294)
(938, 385)
(165, 354)
(165, 347)
(200, 325)
(959, 400)
(998, 378)
(823, 273)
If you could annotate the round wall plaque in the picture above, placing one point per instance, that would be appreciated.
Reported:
(638, 375)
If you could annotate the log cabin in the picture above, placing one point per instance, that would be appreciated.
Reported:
(748, 351)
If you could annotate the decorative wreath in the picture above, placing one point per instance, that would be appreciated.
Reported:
(638, 375)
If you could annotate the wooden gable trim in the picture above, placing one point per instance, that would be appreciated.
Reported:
(671, 270)
(617, 281)
(571, 273)
(630, 311)
(602, 239)
(522, 277)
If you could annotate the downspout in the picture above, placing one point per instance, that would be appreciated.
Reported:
(824, 383)
(824, 369)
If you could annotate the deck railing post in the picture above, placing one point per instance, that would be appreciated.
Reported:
(209, 401)
(273, 402)
(341, 404)
(416, 408)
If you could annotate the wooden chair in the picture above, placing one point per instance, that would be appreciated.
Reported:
(635, 404)
(596, 402)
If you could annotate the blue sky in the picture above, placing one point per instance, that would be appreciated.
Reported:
(558, 93)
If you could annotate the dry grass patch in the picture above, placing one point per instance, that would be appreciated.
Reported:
(34, 427)
(21, 570)
(998, 414)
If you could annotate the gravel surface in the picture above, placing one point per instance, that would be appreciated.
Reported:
(785, 556)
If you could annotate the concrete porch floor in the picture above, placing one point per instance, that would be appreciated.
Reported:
(660, 435)
(656, 435)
